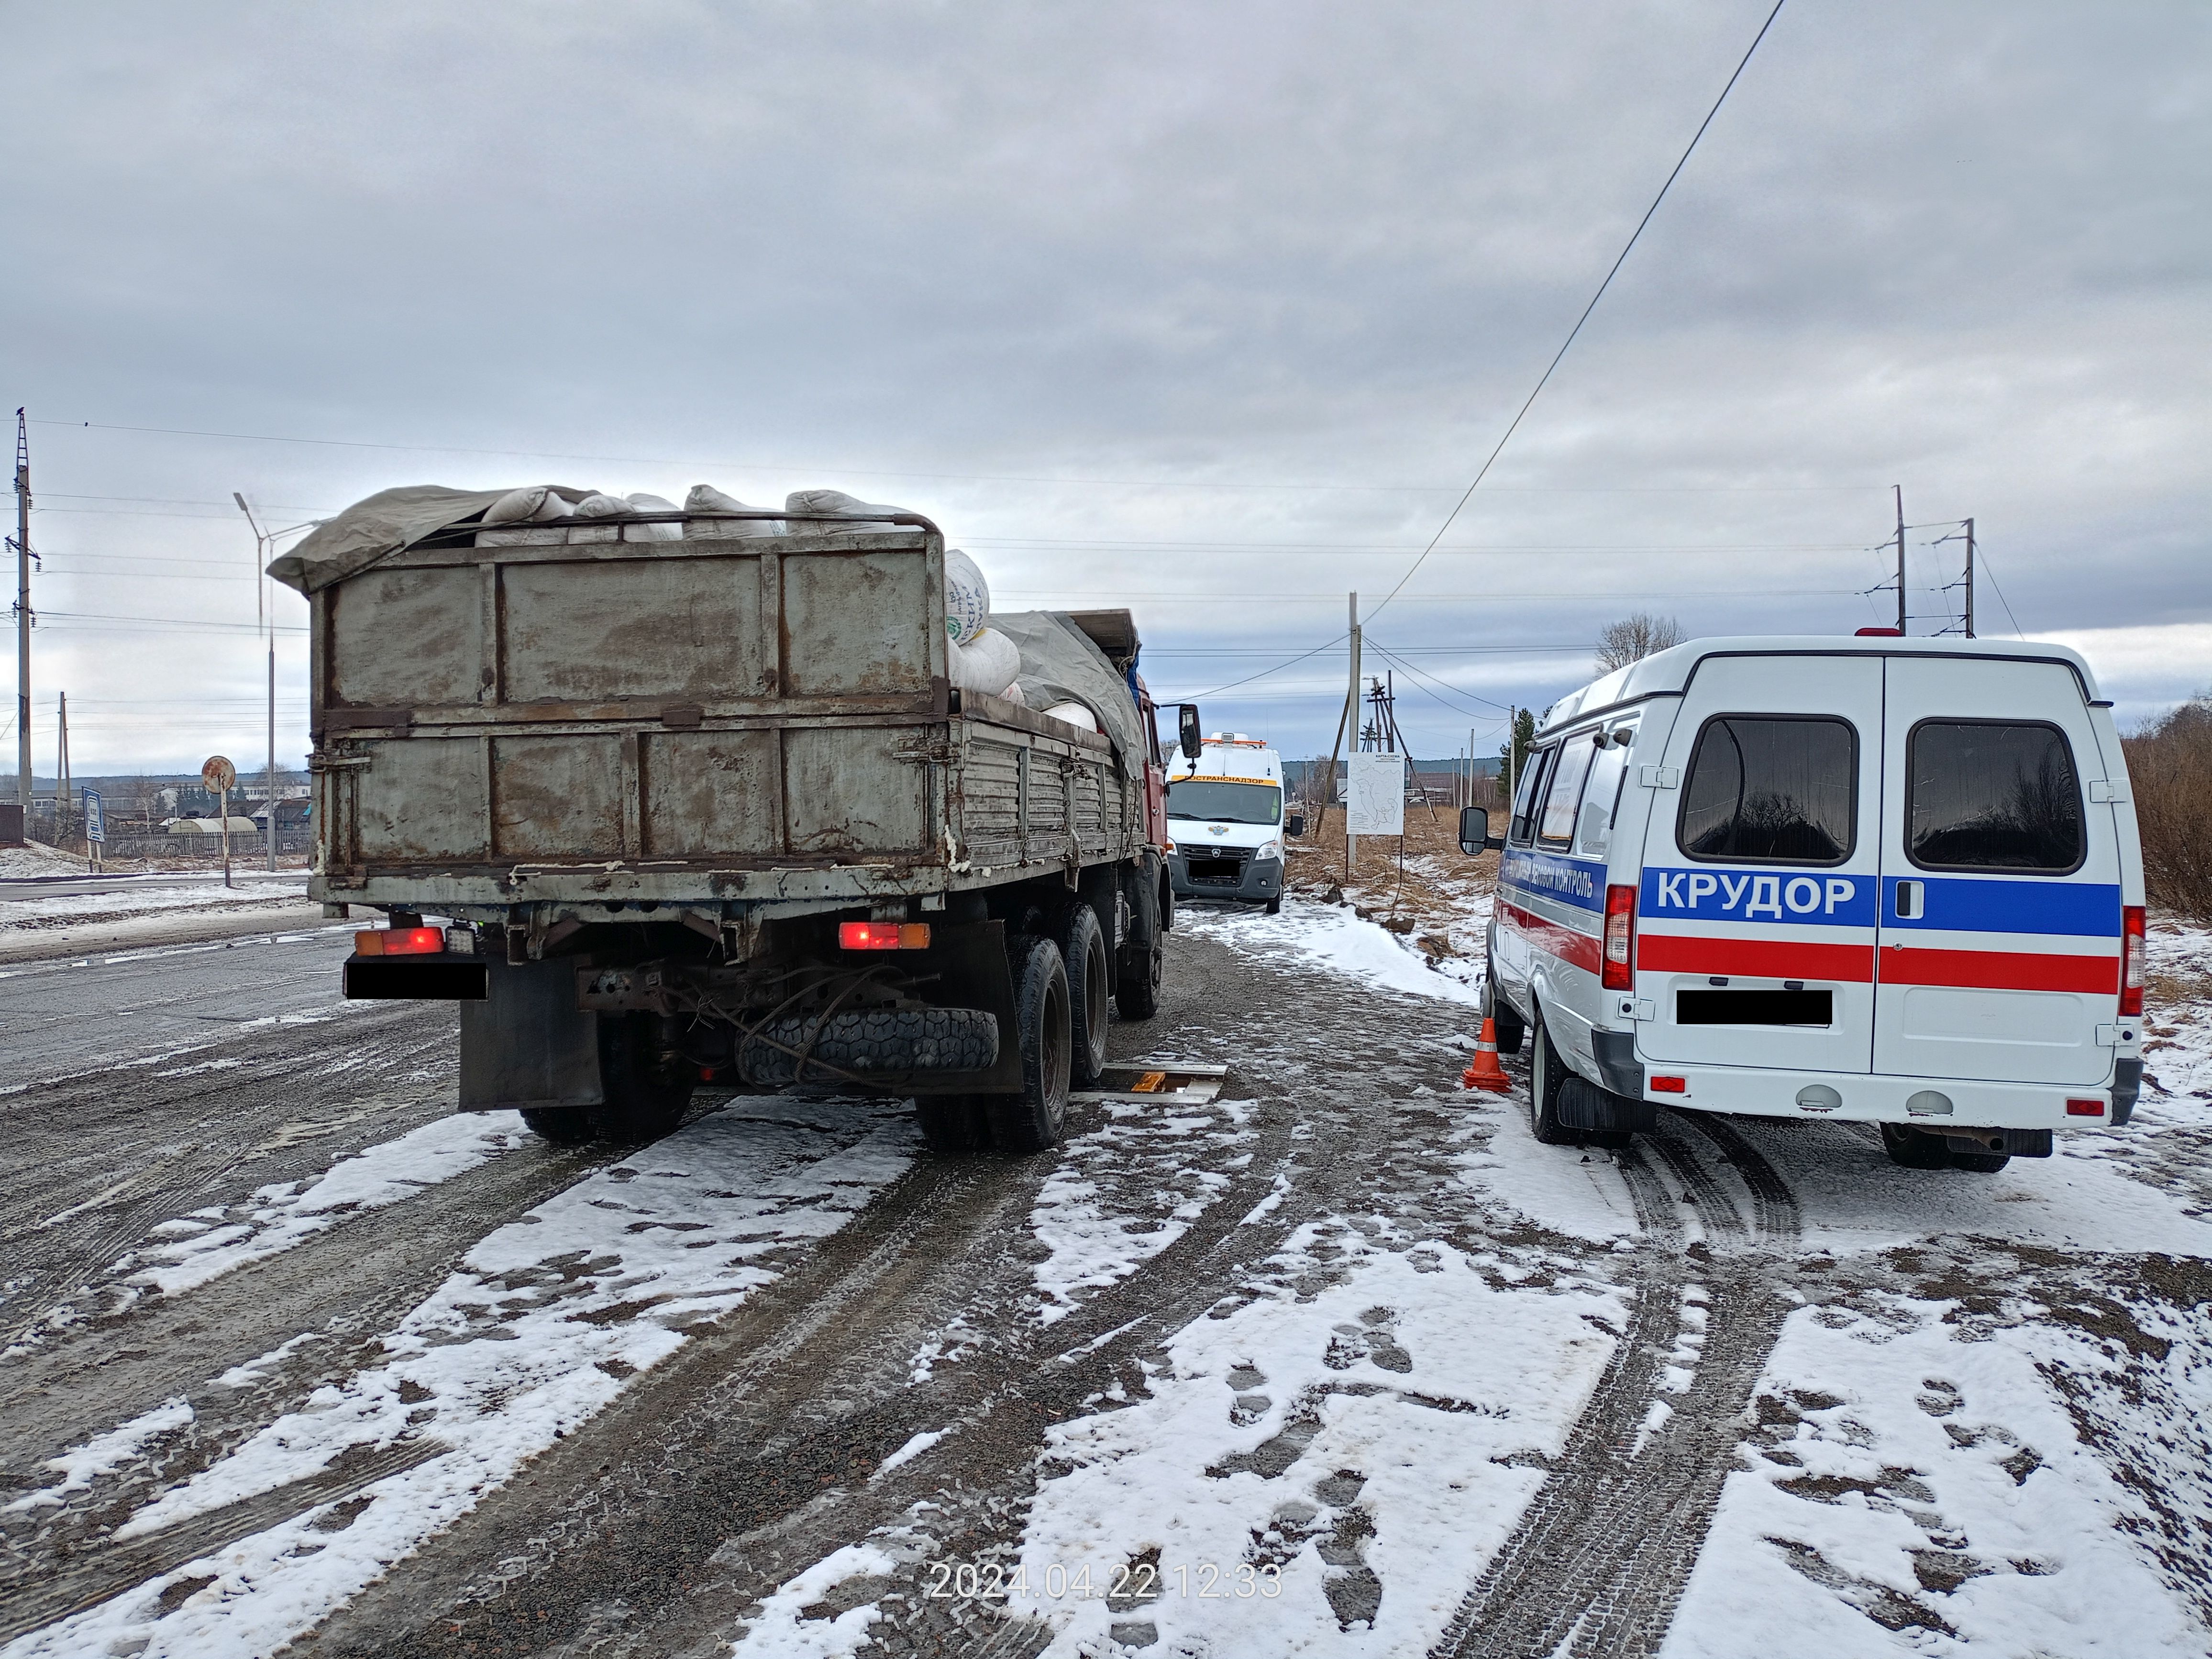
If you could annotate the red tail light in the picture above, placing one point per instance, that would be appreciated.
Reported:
(1671, 1086)
(399, 942)
(883, 936)
(1618, 972)
(2134, 959)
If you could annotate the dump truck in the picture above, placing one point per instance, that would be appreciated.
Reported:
(690, 799)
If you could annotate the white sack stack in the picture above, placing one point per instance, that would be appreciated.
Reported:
(705, 498)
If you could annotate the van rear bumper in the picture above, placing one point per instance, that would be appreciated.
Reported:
(1860, 1098)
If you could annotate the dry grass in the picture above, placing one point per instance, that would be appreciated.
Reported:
(1419, 883)
(2170, 769)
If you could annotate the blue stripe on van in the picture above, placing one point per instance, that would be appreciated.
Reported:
(1709, 893)
(1578, 882)
(1984, 904)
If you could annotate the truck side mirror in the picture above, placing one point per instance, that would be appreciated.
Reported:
(1296, 825)
(1474, 836)
(1189, 736)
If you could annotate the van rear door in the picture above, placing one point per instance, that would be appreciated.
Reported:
(1755, 913)
(1999, 941)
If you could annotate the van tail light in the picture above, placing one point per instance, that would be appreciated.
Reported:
(883, 936)
(1619, 973)
(2133, 949)
(399, 942)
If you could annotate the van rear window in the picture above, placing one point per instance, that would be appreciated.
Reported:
(1991, 795)
(1772, 789)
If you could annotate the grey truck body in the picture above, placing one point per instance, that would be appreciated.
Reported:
(697, 754)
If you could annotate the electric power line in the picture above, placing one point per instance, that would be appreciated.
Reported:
(1545, 379)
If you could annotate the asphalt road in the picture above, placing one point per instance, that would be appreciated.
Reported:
(890, 1379)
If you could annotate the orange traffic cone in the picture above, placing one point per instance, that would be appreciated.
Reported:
(1486, 1073)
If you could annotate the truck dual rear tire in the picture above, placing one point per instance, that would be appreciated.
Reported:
(1091, 987)
(1137, 987)
(1035, 1119)
(644, 1096)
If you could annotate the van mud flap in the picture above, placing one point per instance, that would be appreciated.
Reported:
(527, 1044)
(1583, 1105)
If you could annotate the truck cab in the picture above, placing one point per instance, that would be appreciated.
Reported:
(1226, 822)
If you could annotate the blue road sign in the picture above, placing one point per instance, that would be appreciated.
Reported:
(95, 826)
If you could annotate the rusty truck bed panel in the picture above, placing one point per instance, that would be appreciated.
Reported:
(690, 723)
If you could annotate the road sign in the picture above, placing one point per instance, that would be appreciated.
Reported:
(96, 825)
(218, 773)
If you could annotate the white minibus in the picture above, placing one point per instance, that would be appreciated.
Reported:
(1888, 880)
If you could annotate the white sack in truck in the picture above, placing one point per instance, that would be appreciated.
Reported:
(967, 598)
(593, 513)
(987, 663)
(641, 502)
(537, 505)
(837, 501)
(705, 498)
(1071, 713)
(1061, 664)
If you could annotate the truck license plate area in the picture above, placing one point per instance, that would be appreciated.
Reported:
(416, 978)
(1754, 1007)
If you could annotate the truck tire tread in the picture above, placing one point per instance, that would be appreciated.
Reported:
(1034, 1120)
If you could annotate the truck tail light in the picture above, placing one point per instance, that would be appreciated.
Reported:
(883, 936)
(399, 942)
(1618, 971)
(2133, 949)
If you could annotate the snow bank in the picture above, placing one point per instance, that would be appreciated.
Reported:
(1332, 938)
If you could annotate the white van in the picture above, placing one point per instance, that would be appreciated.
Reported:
(1889, 880)
(1226, 823)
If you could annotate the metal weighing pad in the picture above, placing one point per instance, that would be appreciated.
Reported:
(1169, 1084)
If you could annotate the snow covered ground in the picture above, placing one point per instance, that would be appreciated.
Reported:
(26, 906)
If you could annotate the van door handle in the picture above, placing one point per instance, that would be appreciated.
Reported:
(1912, 901)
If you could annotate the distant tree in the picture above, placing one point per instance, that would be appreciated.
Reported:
(2170, 773)
(1513, 753)
(1634, 638)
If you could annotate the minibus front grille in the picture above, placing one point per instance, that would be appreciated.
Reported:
(1754, 1007)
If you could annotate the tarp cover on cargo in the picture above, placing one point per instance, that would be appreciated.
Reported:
(380, 526)
(1061, 665)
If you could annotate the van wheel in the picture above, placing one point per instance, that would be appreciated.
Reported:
(1548, 1074)
(564, 1126)
(1275, 905)
(1980, 1163)
(1035, 1119)
(645, 1100)
(1090, 985)
(1915, 1149)
(952, 1124)
(1496, 1008)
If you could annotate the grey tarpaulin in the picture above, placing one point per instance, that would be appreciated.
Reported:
(380, 526)
(1061, 665)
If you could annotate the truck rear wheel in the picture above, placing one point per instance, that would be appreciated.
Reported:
(1090, 985)
(564, 1126)
(1035, 1119)
(1137, 987)
(645, 1100)
(952, 1124)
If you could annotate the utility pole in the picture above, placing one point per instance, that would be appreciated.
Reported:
(1970, 579)
(62, 779)
(1899, 488)
(1351, 718)
(23, 617)
(262, 621)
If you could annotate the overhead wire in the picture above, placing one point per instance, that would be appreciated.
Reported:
(1545, 379)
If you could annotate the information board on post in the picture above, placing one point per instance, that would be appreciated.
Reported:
(1375, 801)
(95, 826)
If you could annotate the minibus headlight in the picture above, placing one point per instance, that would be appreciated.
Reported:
(1269, 849)
(2134, 951)
(1618, 971)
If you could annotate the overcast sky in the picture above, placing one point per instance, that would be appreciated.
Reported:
(1209, 309)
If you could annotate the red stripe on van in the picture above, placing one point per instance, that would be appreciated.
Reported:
(2002, 970)
(1581, 950)
(1757, 958)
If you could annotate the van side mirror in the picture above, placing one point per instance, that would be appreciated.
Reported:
(1474, 836)
(1295, 826)
(1187, 734)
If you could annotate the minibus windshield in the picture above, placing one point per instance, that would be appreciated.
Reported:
(1214, 800)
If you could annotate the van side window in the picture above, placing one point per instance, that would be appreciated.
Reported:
(1601, 795)
(1563, 792)
(1525, 798)
(1991, 795)
(1772, 789)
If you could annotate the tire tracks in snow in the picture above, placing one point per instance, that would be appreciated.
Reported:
(1600, 1559)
